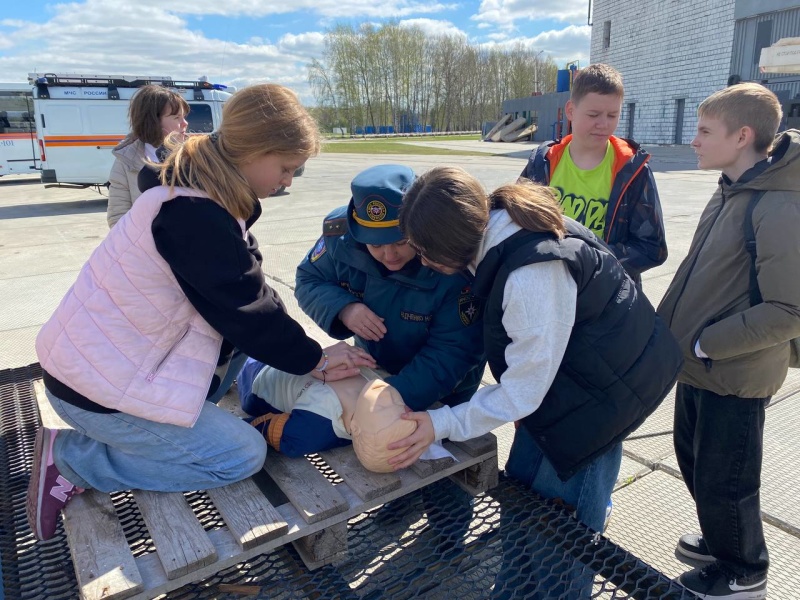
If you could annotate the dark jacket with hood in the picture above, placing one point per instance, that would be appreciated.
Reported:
(634, 224)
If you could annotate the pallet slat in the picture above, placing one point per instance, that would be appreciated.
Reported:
(180, 541)
(323, 547)
(366, 484)
(247, 513)
(426, 468)
(479, 445)
(306, 488)
(104, 566)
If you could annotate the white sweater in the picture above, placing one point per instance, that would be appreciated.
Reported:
(538, 314)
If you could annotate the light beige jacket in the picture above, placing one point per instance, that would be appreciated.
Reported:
(123, 188)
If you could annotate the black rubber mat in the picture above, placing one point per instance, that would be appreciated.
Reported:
(436, 543)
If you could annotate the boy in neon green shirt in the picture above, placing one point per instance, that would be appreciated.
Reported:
(604, 181)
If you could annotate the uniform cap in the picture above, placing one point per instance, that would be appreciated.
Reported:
(373, 212)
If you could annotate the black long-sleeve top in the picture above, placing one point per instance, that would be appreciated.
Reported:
(220, 273)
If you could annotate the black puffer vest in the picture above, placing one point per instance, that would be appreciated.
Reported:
(621, 359)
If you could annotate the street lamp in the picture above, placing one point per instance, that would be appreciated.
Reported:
(536, 72)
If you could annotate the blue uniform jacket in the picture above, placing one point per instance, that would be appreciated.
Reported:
(433, 346)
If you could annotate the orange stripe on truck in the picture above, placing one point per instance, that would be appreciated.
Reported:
(16, 136)
(61, 141)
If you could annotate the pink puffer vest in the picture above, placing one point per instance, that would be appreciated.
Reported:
(125, 335)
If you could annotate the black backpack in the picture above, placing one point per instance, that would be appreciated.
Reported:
(755, 292)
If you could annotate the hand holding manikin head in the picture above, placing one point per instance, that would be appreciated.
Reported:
(376, 423)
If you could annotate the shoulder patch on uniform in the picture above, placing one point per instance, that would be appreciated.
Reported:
(318, 250)
(334, 226)
(469, 307)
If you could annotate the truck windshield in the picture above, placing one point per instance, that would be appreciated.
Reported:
(199, 119)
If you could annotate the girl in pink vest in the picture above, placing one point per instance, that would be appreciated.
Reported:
(144, 336)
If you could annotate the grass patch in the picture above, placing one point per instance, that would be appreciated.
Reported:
(390, 147)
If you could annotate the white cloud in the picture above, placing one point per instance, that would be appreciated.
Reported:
(149, 38)
(433, 27)
(106, 37)
(562, 45)
(326, 8)
(505, 13)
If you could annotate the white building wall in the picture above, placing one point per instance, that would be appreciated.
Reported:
(666, 50)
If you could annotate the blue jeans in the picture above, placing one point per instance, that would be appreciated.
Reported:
(589, 491)
(719, 442)
(116, 451)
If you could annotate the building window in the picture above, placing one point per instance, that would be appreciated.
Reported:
(606, 34)
(763, 39)
(680, 109)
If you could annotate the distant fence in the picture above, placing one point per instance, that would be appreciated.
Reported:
(367, 136)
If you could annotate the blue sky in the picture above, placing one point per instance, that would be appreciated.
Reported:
(239, 42)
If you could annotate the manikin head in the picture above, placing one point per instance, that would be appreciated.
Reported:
(376, 423)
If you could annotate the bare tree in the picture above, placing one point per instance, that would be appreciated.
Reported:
(398, 76)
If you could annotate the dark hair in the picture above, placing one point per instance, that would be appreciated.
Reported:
(446, 210)
(148, 105)
(599, 79)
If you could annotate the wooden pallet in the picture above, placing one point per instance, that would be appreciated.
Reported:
(314, 519)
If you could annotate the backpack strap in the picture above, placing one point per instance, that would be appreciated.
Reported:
(750, 246)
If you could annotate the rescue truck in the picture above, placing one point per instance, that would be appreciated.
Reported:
(79, 119)
(18, 147)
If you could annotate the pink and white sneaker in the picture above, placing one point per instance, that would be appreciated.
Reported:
(48, 490)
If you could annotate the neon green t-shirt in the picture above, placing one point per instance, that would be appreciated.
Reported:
(584, 193)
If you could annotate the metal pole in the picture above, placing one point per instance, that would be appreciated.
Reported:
(536, 74)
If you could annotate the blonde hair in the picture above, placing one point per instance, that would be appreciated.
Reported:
(446, 210)
(147, 106)
(746, 105)
(257, 120)
(598, 78)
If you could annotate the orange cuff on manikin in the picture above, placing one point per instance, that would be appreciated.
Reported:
(275, 430)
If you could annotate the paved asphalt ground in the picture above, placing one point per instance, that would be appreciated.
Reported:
(47, 234)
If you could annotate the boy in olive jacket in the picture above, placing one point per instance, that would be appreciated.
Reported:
(736, 352)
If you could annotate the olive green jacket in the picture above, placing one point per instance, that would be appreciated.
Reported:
(708, 299)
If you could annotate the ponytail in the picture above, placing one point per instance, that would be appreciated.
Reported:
(532, 206)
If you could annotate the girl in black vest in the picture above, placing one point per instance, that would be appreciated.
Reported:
(579, 353)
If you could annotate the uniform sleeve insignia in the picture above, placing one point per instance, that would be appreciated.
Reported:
(318, 250)
(469, 308)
